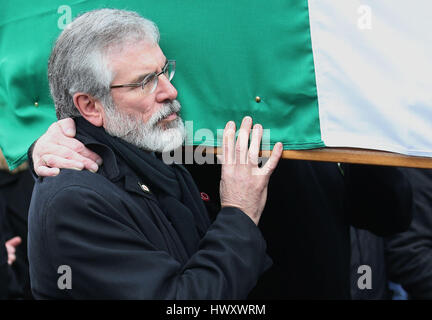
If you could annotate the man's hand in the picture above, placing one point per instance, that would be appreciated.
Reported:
(57, 149)
(10, 247)
(243, 184)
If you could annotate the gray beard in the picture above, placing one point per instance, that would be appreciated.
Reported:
(149, 136)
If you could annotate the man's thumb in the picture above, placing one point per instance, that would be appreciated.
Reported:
(68, 127)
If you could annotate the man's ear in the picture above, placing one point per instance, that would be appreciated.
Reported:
(90, 108)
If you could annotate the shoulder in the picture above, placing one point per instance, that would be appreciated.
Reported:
(79, 204)
(49, 188)
(73, 193)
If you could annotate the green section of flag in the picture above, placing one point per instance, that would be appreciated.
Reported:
(228, 53)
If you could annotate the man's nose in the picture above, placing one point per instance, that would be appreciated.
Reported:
(165, 90)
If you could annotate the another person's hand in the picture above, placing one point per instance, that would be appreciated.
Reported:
(57, 149)
(243, 184)
(11, 244)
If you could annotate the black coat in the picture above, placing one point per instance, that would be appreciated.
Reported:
(118, 242)
(409, 254)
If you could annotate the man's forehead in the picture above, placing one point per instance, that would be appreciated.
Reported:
(140, 54)
(135, 60)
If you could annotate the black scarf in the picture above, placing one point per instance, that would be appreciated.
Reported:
(173, 185)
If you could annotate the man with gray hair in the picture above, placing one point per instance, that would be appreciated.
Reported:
(138, 229)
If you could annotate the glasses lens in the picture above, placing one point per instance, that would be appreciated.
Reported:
(170, 69)
(149, 85)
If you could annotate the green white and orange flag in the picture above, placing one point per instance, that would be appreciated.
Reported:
(339, 73)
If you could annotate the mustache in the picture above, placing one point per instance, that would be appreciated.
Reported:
(167, 109)
(116, 116)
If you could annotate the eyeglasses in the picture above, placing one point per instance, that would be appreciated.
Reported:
(150, 82)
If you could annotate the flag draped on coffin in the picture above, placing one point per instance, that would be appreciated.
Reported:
(316, 73)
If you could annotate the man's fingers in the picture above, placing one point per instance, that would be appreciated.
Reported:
(15, 241)
(68, 127)
(10, 249)
(11, 258)
(80, 148)
(44, 171)
(90, 155)
(254, 148)
(228, 143)
(11, 244)
(273, 160)
(54, 161)
(59, 151)
(241, 148)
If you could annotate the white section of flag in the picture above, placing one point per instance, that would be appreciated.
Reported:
(374, 80)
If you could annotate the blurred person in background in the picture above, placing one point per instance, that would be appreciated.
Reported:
(409, 254)
(15, 194)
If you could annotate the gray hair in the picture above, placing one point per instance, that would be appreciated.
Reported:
(78, 61)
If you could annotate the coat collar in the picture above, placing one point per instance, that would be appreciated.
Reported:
(110, 167)
(113, 169)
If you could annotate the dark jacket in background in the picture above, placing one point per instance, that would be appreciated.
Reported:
(121, 244)
(368, 249)
(4, 278)
(306, 222)
(15, 195)
(409, 254)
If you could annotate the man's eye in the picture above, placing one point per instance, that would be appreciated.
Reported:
(147, 80)
(149, 83)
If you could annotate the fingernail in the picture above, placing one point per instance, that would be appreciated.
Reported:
(99, 161)
(70, 132)
(94, 168)
(230, 125)
(77, 169)
(247, 119)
